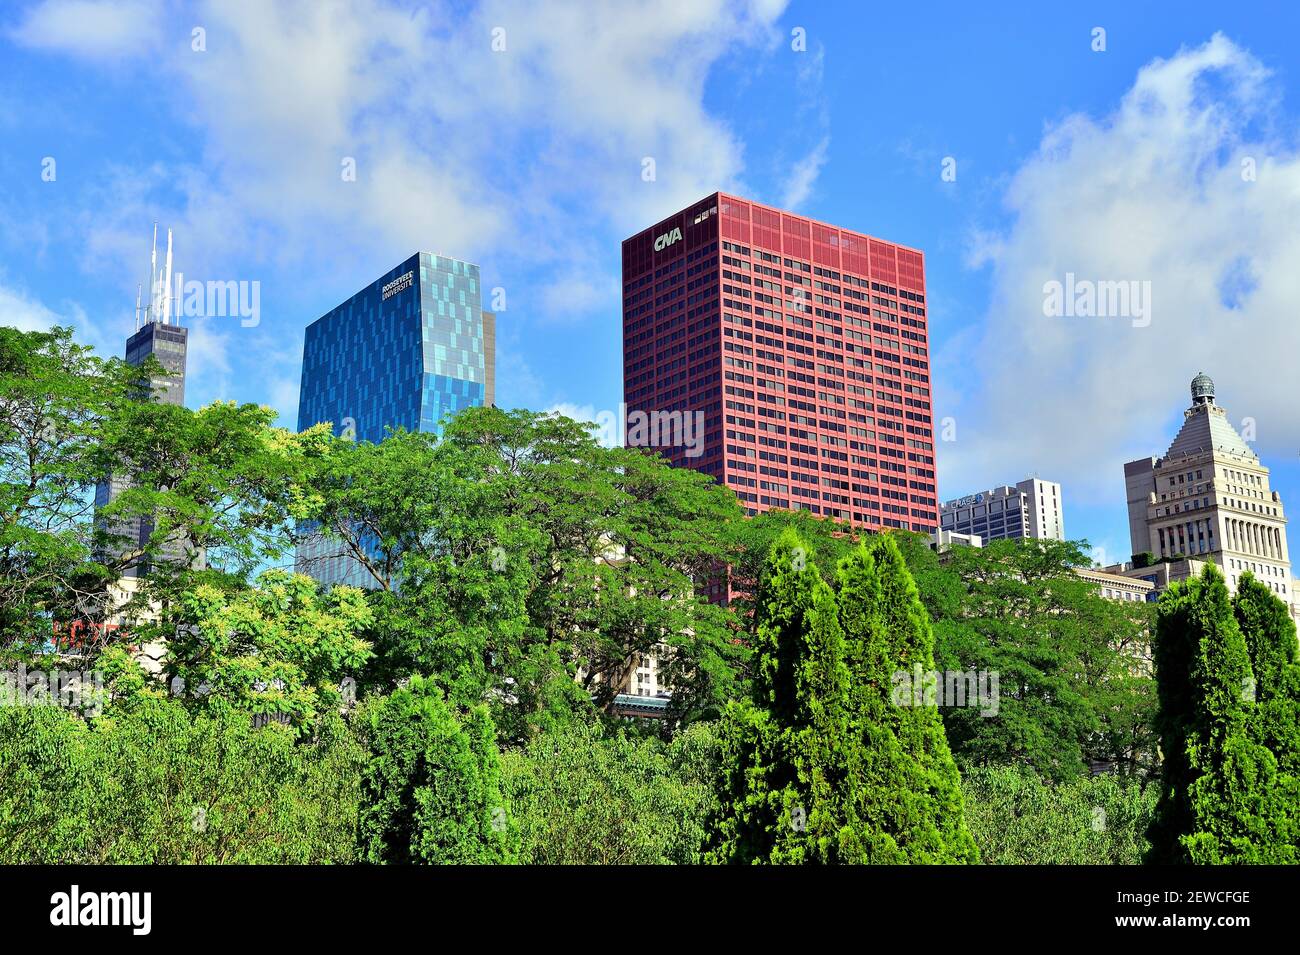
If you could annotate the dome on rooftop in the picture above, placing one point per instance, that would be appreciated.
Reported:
(1202, 389)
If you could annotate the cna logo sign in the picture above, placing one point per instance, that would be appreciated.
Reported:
(667, 239)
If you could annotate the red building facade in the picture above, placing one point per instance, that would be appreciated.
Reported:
(799, 348)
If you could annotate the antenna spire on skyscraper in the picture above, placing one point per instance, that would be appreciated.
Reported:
(151, 314)
(167, 283)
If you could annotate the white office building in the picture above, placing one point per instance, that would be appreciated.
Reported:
(1030, 509)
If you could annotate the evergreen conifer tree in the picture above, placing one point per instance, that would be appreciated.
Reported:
(917, 786)
(820, 767)
(1222, 799)
(1270, 635)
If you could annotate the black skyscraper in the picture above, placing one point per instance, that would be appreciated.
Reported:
(157, 335)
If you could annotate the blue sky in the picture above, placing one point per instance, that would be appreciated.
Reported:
(1121, 164)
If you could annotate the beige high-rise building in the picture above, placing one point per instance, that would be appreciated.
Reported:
(1209, 498)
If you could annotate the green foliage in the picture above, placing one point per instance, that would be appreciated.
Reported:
(1018, 819)
(821, 767)
(752, 539)
(277, 649)
(159, 786)
(220, 479)
(584, 798)
(1270, 635)
(57, 404)
(535, 566)
(217, 480)
(1071, 665)
(882, 611)
(1223, 799)
(521, 572)
(431, 791)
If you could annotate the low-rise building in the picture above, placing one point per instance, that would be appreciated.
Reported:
(1114, 586)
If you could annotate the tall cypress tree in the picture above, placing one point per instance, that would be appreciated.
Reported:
(888, 631)
(819, 766)
(1270, 634)
(1220, 801)
(780, 765)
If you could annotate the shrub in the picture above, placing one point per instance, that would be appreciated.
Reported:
(1018, 819)
(431, 788)
(157, 785)
(581, 797)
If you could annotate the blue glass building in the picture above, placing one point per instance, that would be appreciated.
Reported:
(407, 351)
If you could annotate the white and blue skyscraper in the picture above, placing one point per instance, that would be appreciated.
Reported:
(406, 351)
(409, 350)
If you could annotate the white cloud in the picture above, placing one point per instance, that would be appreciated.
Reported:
(458, 148)
(207, 364)
(91, 28)
(1153, 192)
(19, 311)
(799, 184)
(529, 157)
(576, 293)
(605, 422)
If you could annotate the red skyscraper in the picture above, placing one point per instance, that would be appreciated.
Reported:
(802, 350)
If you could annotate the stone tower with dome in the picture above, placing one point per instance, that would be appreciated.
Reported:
(1208, 499)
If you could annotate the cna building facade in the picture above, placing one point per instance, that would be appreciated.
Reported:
(408, 350)
(1208, 499)
(800, 348)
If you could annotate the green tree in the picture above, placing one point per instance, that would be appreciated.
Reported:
(1222, 798)
(277, 649)
(751, 541)
(888, 632)
(216, 480)
(57, 405)
(783, 780)
(1073, 680)
(1270, 635)
(1018, 819)
(431, 791)
(521, 565)
(156, 785)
